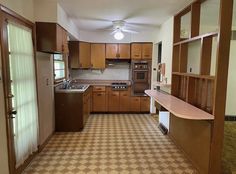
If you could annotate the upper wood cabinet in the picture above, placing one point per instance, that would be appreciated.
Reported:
(51, 38)
(118, 51)
(85, 54)
(80, 54)
(98, 56)
(141, 51)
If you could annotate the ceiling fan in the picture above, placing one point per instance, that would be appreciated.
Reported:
(119, 28)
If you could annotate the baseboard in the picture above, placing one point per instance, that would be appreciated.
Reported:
(230, 118)
(41, 147)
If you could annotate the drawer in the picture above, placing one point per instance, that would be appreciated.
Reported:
(99, 88)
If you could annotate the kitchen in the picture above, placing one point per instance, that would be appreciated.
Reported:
(130, 87)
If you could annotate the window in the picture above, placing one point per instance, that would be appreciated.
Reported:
(59, 67)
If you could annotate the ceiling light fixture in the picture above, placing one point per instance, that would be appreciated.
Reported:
(119, 35)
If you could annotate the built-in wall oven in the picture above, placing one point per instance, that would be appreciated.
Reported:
(141, 76)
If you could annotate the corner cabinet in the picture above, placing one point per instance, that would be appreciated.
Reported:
(141, 51)
(80, 54)
(51, 38)
(118, 51)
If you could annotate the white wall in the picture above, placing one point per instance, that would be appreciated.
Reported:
(231, 94)
(66, 22)
(106, 37)
(166, 37)
(24, 8)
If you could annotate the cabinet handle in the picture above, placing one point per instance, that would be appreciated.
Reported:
(136, 55)
(146, 55)
(99, 94)
(124, 95)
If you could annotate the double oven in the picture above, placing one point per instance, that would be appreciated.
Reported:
(141, 77)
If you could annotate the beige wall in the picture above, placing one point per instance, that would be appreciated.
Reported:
(24, 8)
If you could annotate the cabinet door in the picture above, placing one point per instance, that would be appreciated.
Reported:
(135, 104)
(111, 51)
(85, 55)
(114, 101)
(124, 51)
(98, 56)
(99, 101)
(147, 51)
(136, 51)
(74, 54)
(145, 104)
(65, 48)
(124, 101)
(59, 39)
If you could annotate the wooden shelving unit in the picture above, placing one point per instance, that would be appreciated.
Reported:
(202, 90)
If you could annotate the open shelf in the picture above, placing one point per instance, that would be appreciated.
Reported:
(211, 34)
(194, 75)
(178, 107)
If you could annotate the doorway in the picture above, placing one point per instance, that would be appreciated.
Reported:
(159, 57)
(20, 92)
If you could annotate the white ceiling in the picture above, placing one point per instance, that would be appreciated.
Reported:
(98, 14)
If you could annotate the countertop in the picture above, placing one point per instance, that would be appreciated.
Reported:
(58, 90)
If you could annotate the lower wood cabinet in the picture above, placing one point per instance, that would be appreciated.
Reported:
(71, 110)
(114, 101)
(135, 104)
(99, 99)
(107, 100)
(144, 104)
(125, 101)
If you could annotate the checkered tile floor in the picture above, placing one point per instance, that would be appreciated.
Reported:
(112, 144)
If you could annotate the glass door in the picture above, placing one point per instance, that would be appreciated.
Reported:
(21, 94)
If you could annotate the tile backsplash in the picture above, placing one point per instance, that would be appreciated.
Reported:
(114, 72)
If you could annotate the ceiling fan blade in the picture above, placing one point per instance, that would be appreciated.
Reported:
(142, 26)
(130, 31)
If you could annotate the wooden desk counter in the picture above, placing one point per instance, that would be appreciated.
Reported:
(178, 107)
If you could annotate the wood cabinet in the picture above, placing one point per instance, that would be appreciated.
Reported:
(118, 51)
(135, 104)
(80, 54)
(85, 54)
(99, 99)
(114, 101)
(125, 101)
(86, 105)
(98, 56)
(51, 38)
(141, 51)
(71, 110)
(145, 104)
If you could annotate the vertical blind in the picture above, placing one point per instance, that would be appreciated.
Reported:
(23, 86)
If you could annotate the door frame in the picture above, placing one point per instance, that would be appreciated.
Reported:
(5, 16)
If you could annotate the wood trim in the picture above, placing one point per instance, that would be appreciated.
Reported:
(195, 18)
(206, 50)
(225, 24)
